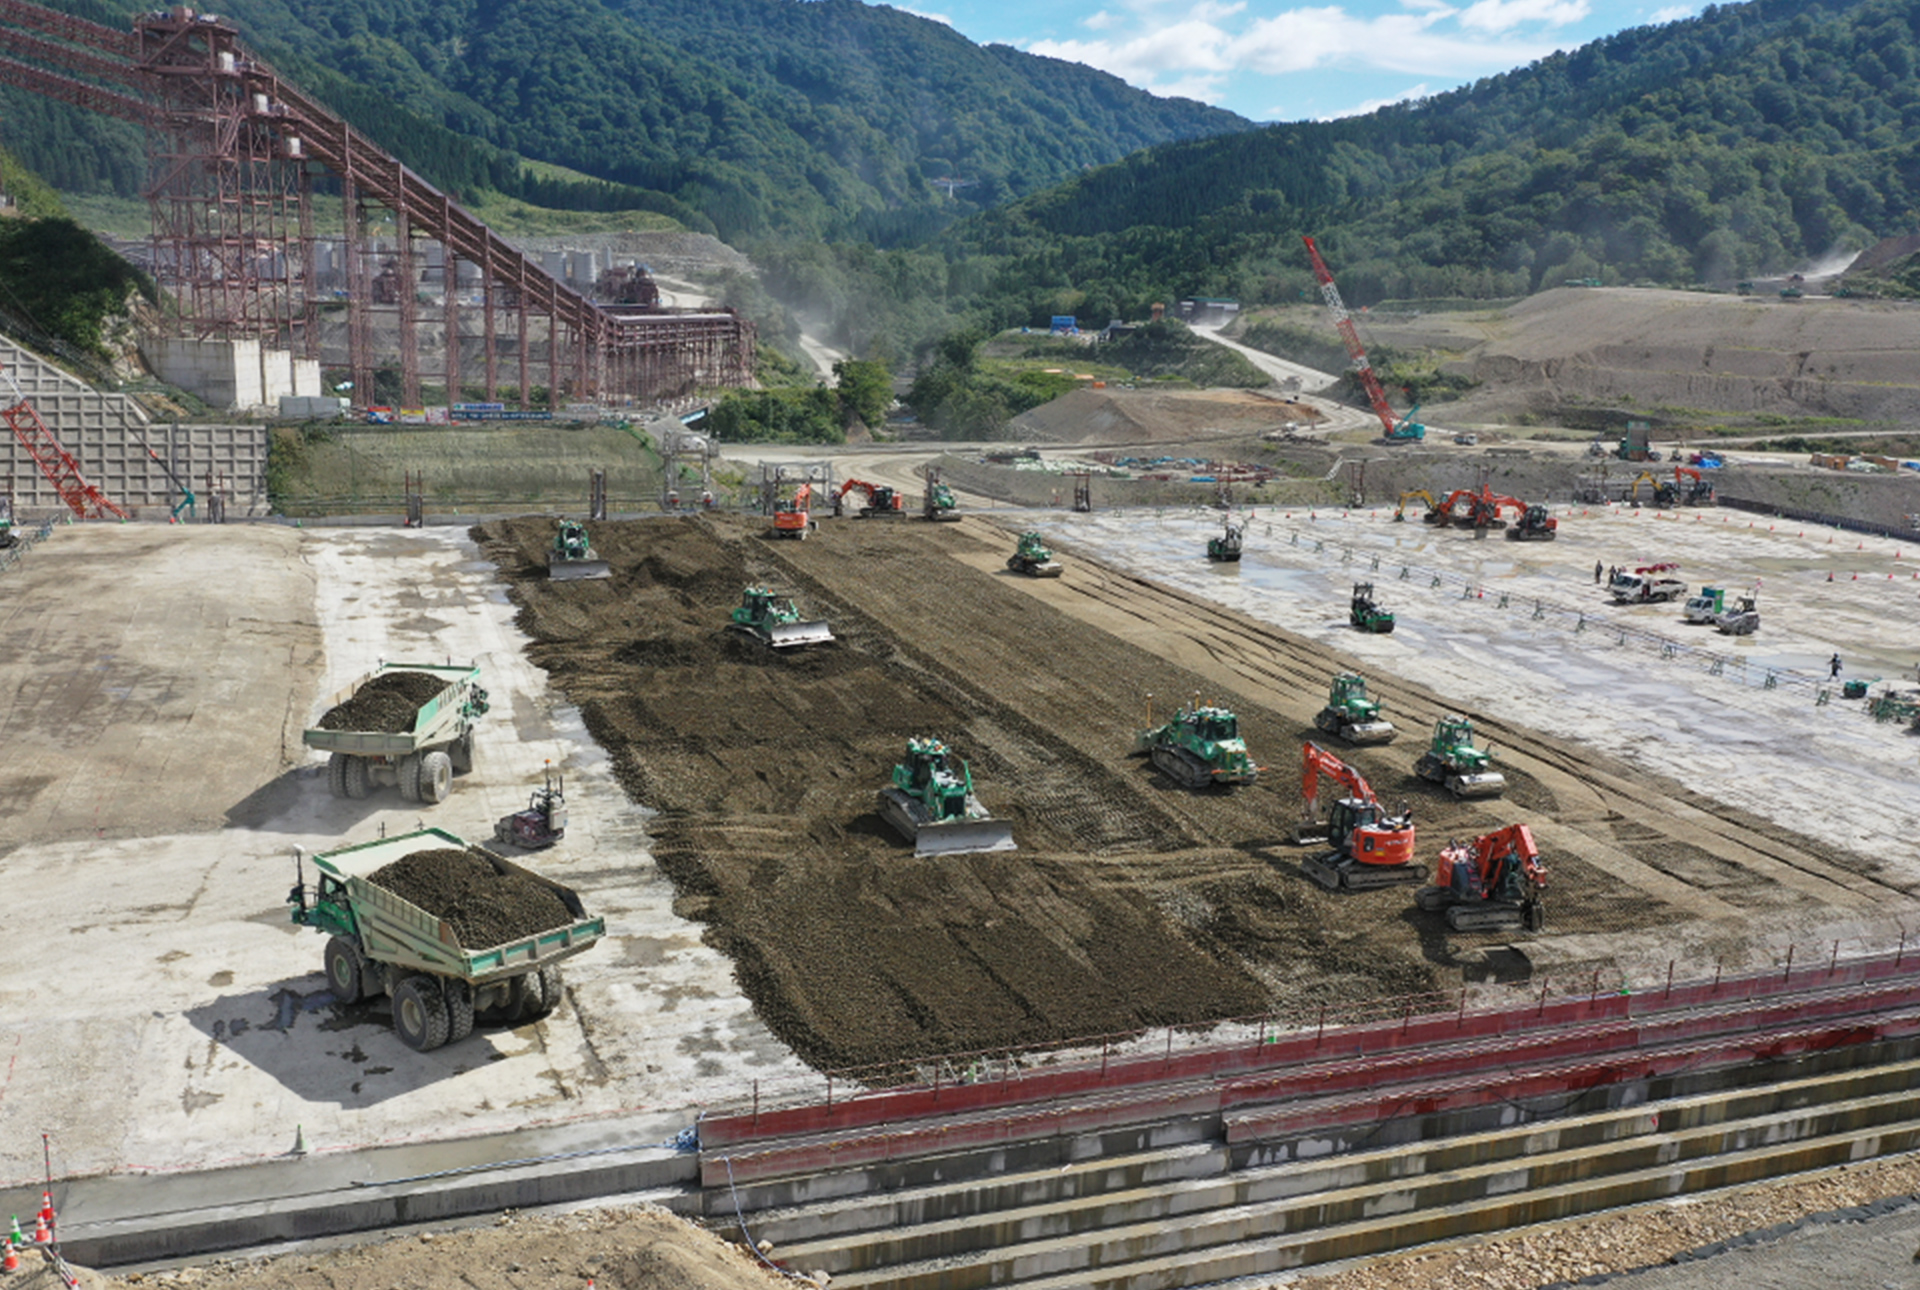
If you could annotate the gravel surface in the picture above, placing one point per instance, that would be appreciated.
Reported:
(1687, 1234)
(622, 1248)
(485, 907)
(389, 704)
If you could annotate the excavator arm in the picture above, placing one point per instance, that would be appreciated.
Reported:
(1499, 851)
(1400, 511)
(1316, 761)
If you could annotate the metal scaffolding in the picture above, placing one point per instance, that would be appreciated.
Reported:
(234, 150)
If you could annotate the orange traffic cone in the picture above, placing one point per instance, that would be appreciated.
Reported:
(40, 1233)
(46, 1205)
(11, 1262)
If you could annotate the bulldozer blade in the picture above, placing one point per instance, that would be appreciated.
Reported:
(578, 570)
(794, 635)
(963, 837)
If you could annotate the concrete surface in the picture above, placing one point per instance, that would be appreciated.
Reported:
(168, 1016)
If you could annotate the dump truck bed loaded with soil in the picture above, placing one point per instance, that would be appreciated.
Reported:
(405, 724)
(454, 933)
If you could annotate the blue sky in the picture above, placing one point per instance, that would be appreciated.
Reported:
(1271, 60)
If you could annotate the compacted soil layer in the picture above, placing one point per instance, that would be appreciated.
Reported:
(1131, 903)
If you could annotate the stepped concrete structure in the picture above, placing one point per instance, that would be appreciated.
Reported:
(120, 448)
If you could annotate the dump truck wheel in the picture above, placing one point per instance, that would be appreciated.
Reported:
(523, 999)
(357, 777)
(460, 753)
(420, 1013)
(542, 993)
(436, 777)
(337, 774)
(409, 773)
(346, 970)
(459, 1011)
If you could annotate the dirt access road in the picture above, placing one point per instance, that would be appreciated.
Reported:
(1131, 903)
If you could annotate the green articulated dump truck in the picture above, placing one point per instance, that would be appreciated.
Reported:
(409, 725)
(453, 933)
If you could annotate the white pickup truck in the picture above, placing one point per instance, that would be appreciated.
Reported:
(1646, 585)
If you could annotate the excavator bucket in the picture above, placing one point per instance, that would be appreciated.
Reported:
(794, 635)
(559, 570)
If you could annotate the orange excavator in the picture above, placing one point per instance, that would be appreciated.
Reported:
(1370, 847)
(881, 500)
(1492, 884)
(1699, 492)
(790, 519)
(1473, 509)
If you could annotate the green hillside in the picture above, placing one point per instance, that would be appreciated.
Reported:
(1754, 138)
(743, 117)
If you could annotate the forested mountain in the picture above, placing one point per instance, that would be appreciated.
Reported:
(1756, 137)
(746, 117)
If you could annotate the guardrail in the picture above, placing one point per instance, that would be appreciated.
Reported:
(24, 542)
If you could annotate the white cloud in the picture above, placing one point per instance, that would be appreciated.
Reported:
(1158, 43)
(1494, 16)
(1180, 48)
(1673, 13)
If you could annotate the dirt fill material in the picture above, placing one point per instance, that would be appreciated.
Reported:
(484, 907)
(389, 704)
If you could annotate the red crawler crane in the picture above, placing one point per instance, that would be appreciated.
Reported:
(1395, 427)
(55, 462)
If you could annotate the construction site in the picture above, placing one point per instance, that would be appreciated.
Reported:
(923, 869)
(1110, 965)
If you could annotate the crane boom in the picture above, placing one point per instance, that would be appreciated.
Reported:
(1343, 320)
(55, 462)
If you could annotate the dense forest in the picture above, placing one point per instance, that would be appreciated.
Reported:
(1757, 138)
(742, 117)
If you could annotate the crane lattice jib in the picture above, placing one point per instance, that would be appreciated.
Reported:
(55, 462)
(1343, 320)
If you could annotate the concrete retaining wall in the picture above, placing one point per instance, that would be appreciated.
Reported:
(1039, 488)
(109, 435)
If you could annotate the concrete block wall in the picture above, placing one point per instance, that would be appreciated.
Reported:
(237, 375)
(108, 435)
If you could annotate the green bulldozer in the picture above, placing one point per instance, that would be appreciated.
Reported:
(933, 806)
(1033, 558)
(1365, 614)
(775, 621)
(1200, 746)
(939, 504)
(573, 559)
(1225, 549)
(1453, 760)
(1351, 714)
